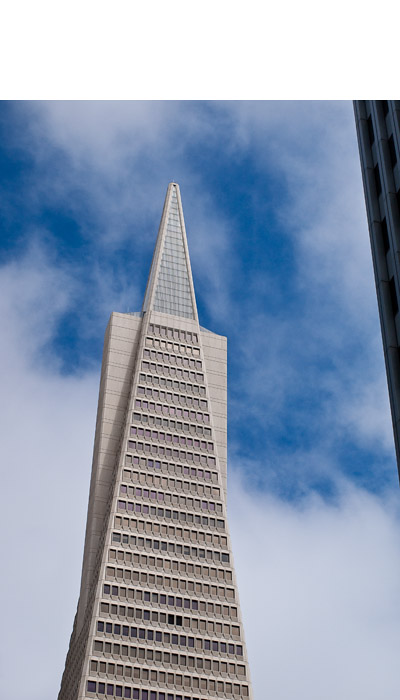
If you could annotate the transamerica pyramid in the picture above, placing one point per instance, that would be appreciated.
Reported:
(158, 615)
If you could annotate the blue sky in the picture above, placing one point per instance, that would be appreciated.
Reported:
(278, 238)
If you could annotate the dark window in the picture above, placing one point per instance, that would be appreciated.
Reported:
(393, 296)
(385, 107)
(179, 620)
(91, 686)
(392, 151)
(377, 177)
(170, 619)
(385, 236)
(370, 130)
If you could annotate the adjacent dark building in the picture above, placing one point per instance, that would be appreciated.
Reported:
(378, 132)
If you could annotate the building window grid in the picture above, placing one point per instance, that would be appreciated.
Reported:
(169, 346)
(171, 451)
(167, 515)
(144, 486)
(151, 566)
(204, 605)
(175, 547)
(166, 415)
(190, 391)
(155, 434)
(166, 543)
(179, 662)
(172, 371)
(183, 621)
(101, 688)
(177, 333)
(172, 358)
(162, 467)
(164, 481)
(171, 637)
(215, 591)
(186, 536)
(165, 498)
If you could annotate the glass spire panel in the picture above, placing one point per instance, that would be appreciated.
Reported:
(172, 294)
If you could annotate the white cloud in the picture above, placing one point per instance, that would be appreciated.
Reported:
(47, 423)
(319, 591)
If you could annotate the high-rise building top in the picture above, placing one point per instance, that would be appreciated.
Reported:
(378, 132)
(158, 615)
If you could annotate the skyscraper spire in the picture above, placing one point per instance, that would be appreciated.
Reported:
(158, 615)
(170, 284)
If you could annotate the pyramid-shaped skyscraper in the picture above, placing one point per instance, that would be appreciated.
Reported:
(158, 615)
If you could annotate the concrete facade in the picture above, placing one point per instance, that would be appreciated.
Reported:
(158, 616)
(378, 133)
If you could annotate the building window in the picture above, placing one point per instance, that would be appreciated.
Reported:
(393, 296)
(385, 235)
(377, 177)
(385, 107)
(370, 130)
(392, 151)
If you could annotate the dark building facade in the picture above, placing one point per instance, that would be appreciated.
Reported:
(378, 133)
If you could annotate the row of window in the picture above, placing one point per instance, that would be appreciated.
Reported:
(171, 411)
(176, 679)
(167, 483)
(149, 463)
(172, 397)
(119, 691)
(161, 497)
(145, 560)
(165, 582)
(171, 638)
(175, 385)
(170, 359)
(192, 662)
(173, 372)
(172, 548)
(173, 333)
(172, 483)
(183, 517)
(162, 618)
(168, 423)
(169, 452)
(172, 532)
(172, 601)
(148, 577)
(175, 347)
(159, 435)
